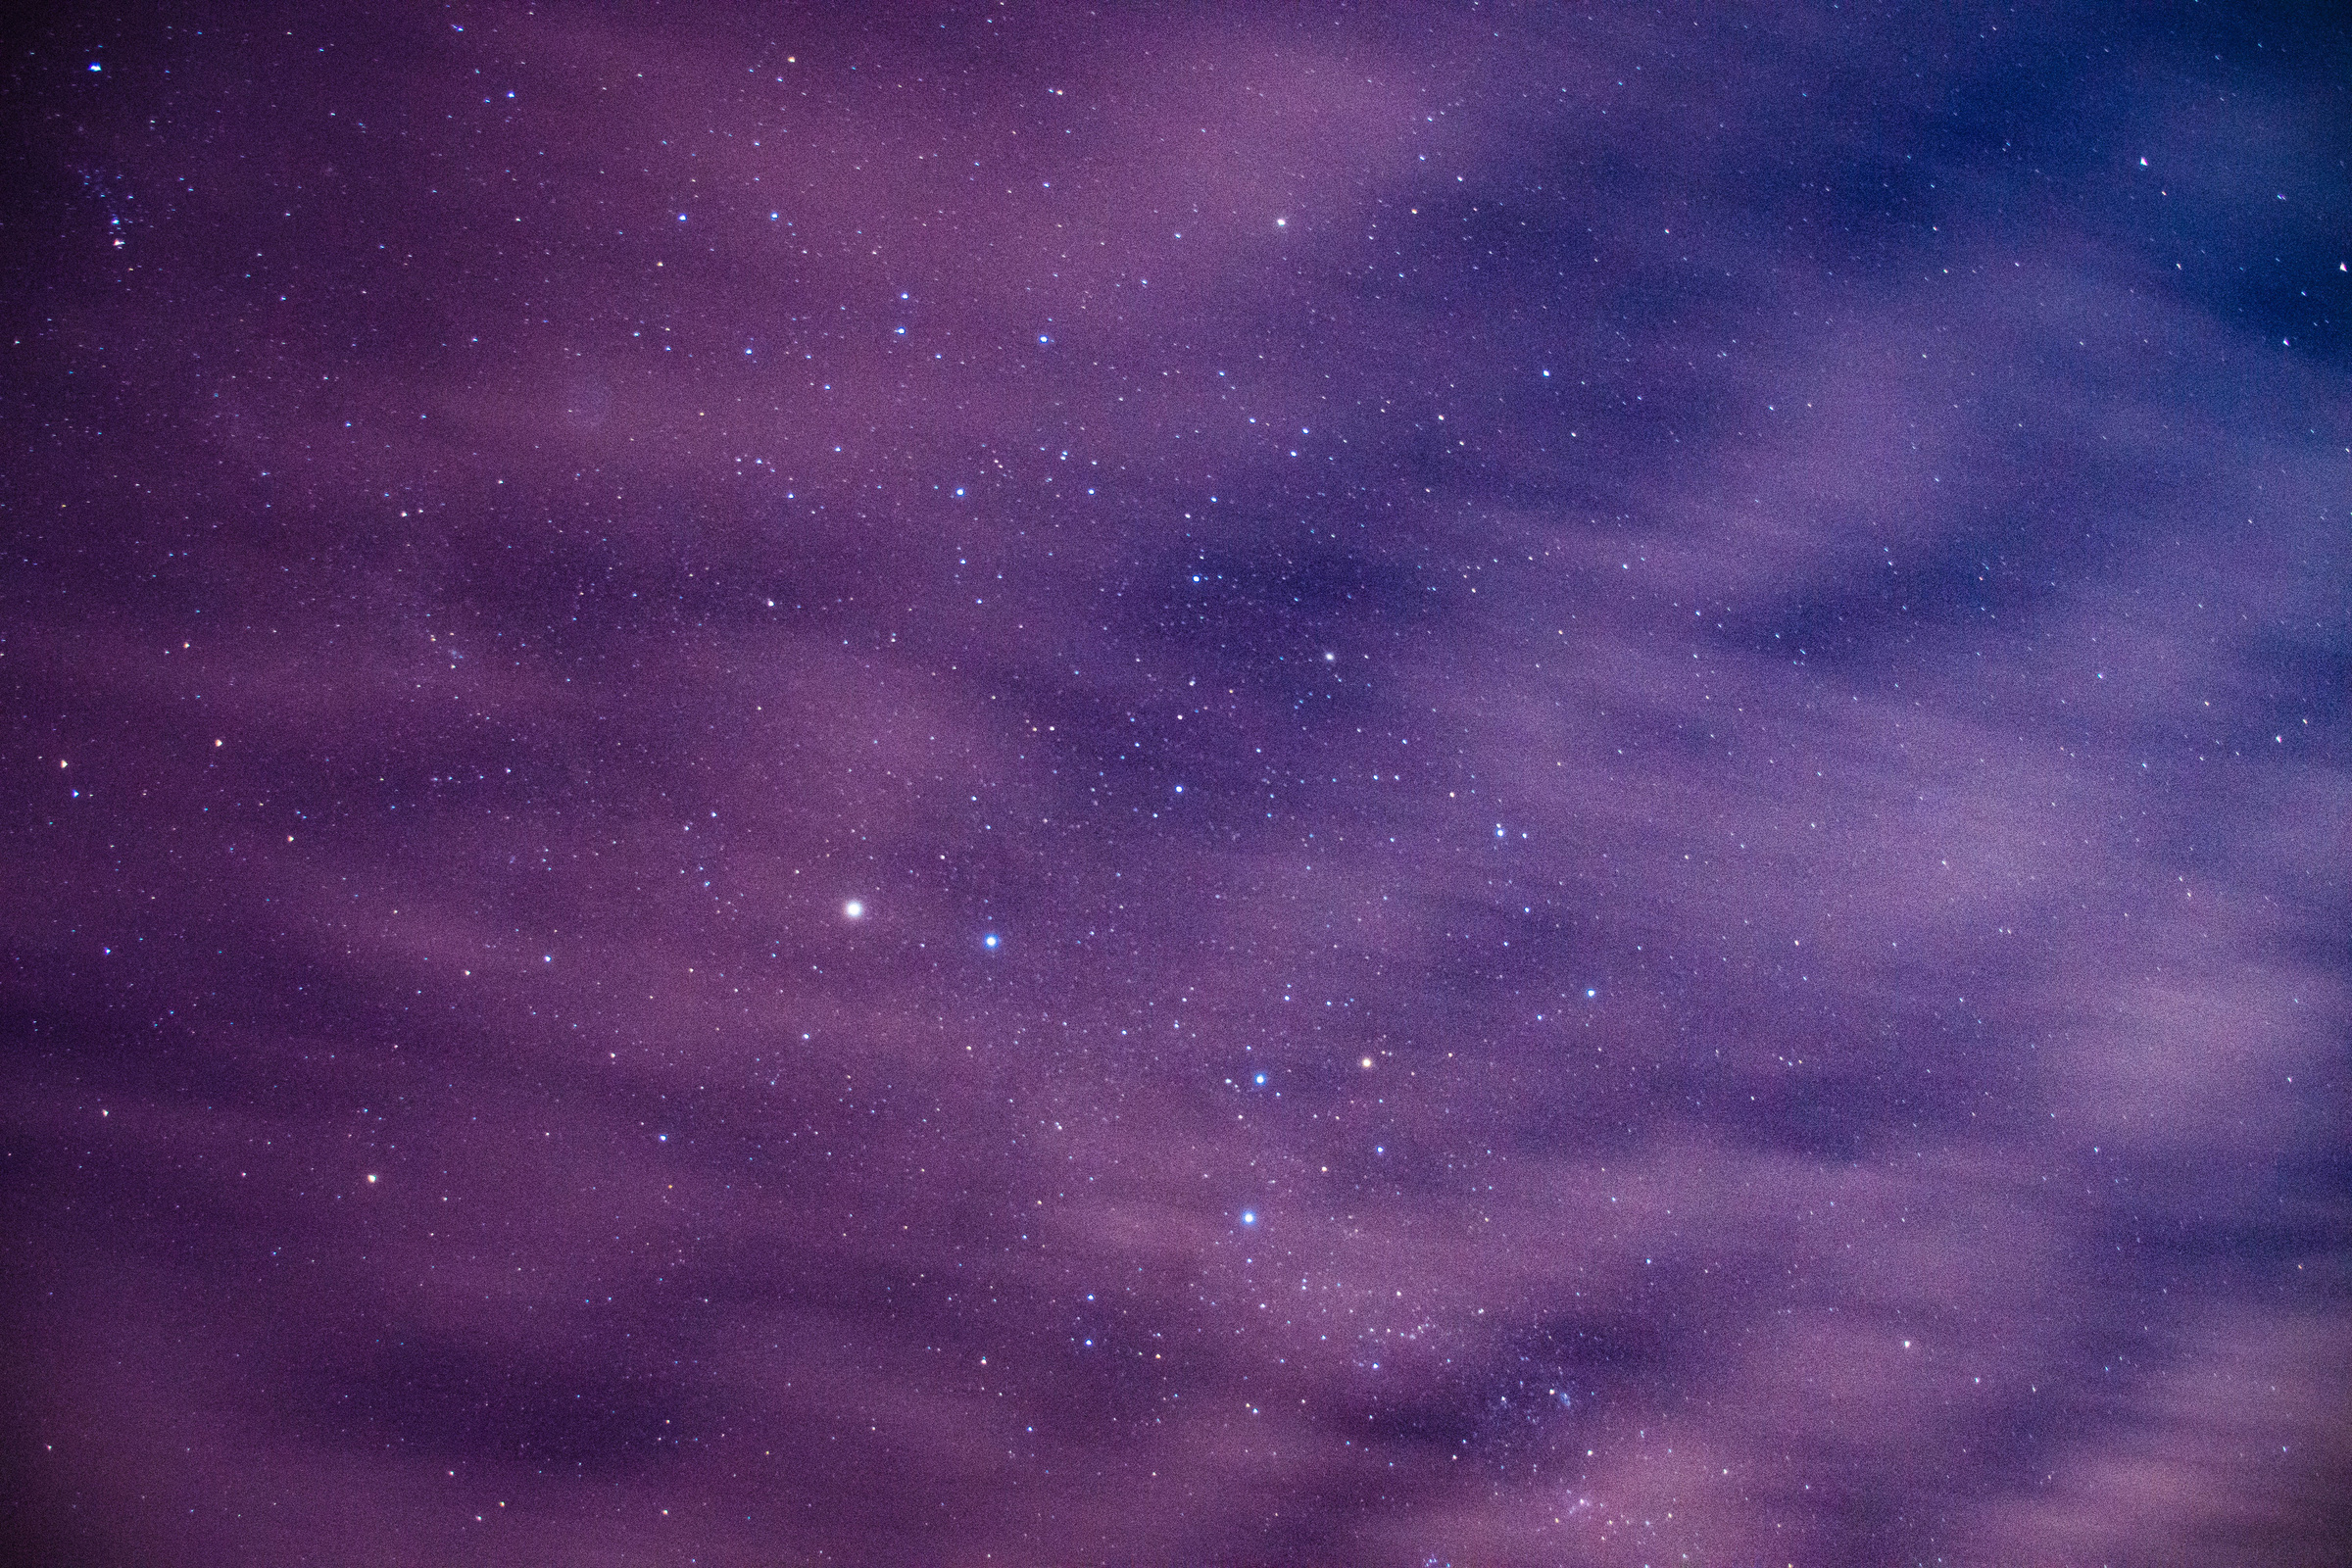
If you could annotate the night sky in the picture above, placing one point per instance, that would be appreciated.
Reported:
(1245, 786)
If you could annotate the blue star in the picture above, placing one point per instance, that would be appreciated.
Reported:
(989, 941)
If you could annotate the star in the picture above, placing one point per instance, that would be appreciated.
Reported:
(441, 422)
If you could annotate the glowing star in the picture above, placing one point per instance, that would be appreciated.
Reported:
(989, 942)
(1249, 1216)
(854, 910)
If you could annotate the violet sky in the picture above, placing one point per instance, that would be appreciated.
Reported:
(1241, 785)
